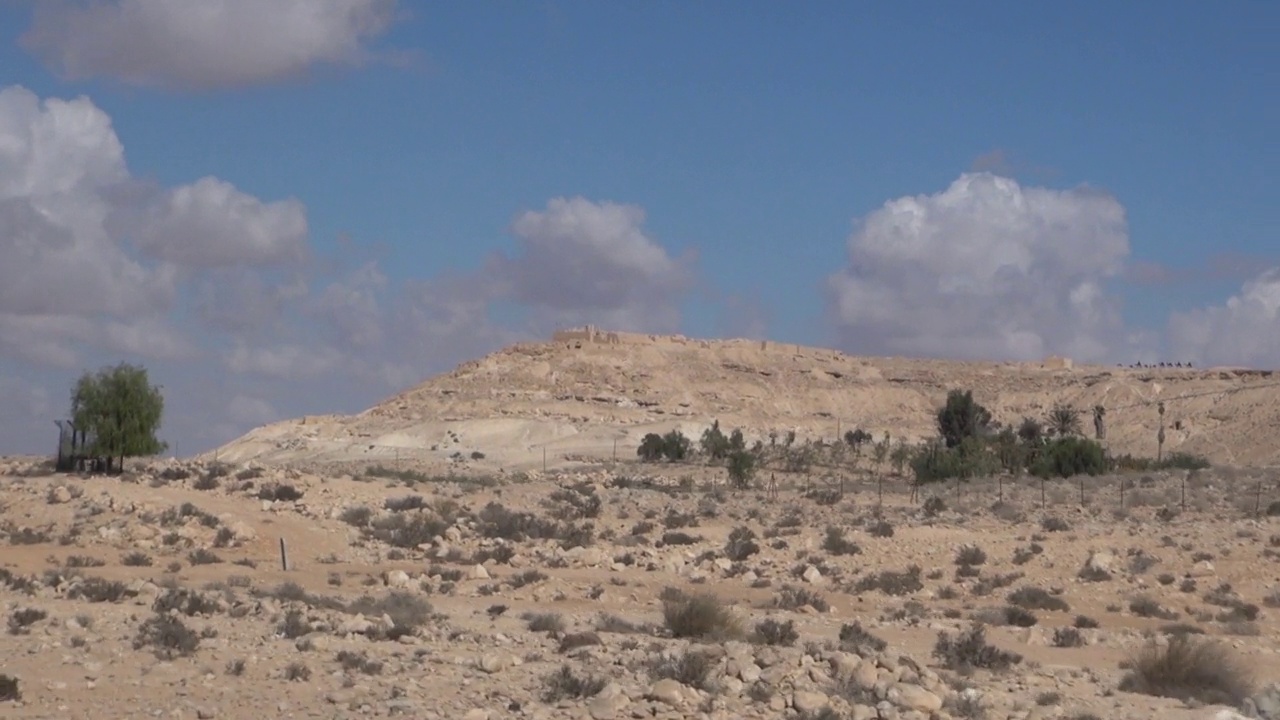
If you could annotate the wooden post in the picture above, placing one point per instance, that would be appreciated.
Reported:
(880, 489)
(1082, 491)
(1257, 499)
(1000, 487)
(1042, 493)
(615, 449)
(1184, 493)
(1121, 493)
(284, 556)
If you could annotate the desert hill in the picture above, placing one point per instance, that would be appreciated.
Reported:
(585, 395)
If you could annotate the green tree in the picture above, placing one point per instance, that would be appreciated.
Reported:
(1069, 456)
(900, 456)
(675, 445)
(962, 418)
(1031, 430)
(1064, 421)
(736, 440)
(714, 444)
(652, 448)
(120, 410)
(742, 468)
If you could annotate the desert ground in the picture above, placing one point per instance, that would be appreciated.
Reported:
(431, 583)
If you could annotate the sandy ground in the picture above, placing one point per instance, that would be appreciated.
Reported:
(1213, 565)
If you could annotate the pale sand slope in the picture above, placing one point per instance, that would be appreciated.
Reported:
(578, 403)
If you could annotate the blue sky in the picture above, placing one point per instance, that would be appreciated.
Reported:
(309, 216)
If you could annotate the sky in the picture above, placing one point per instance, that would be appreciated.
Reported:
(304, 206)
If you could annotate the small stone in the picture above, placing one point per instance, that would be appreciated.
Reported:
(479, 573)
(667, 692)
(914, 697)
(807, 702)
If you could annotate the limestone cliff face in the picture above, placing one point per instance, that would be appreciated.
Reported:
(583, 393)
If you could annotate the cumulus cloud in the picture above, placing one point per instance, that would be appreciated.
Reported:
(985, 269)
(580, 262)
(210, 223)
(1245, 330)
(68, 207)
(206, 45)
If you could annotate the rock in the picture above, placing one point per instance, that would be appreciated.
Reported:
(479, 573)
(914, 697)
(813, 575)
(1202, 569)
(809, 702)
(476, 714)
(607, 707)
(667, 692)
(396, 579)
(1266, 703)
(59, 495)
(495, 662)
(1099, 566)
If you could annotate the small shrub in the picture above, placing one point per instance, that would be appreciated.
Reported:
(405, 504)
(358, 661)
(528, 577)
(881, 528)
(690, 668)
(294, 625)
(9, 689)
(573, 641)
(741, 544)
(856, 639)
(891, 582)
(1084, 622)
(1147, 607)
(136, 558)
(167, 637)
(1034, 598)
(83, 561)
(235, 668)
(563, 684)
(358, 516)
(791, 597)
(680, 538)
(297, 672)
(970, 650)
(772, 632)
(1067, 637)
(203, 557)
(970, 555)
(1187, 668)
(279, 492)
(96, 589)
(20, 621)
(836, 543)
(544, 622)
(1053, 523)
(699, 616)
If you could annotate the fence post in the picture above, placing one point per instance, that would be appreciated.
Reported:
(1184, 493)
(1257, 499)
(880, 489)
(957, 491)
(1082, 491)
(1000, 488)
(1042, 493)
(1122, 493)
(284, 557)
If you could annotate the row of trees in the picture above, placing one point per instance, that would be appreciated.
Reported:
(970, 443)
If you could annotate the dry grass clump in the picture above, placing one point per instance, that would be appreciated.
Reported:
(691, 668)
(791, 597)
(741, 544)
(9, 688)
(773, 632)
(167, 637)
(837, 544)
(892, 582)
(1189, 668)
(699, 616)
(1034, 598)
(544, 622)
(857, 639)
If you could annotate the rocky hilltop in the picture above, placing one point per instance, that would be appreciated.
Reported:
(586, 395)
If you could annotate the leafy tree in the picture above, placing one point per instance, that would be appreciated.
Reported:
(675, 446)
(962, 418)
(1070, 456)
(1064, 421)
(1031, 430)
(742, 468)
(971, 458)
(880, 452)
(714, 444)
(856, 438)
(736, 440)
(900, 456)
(120, 411)
(652, 448)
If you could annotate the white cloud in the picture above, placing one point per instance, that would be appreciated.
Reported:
(210, 223)
(206, 44)
(284, 361)
(251, 411)
(985, 269)
(585, 262)
(1245, 330)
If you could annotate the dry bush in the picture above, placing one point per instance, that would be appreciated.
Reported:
(406, 610)
(691, 668)
(773, 632)
(1065, 637)
(970, 555)
(1034, 598)
(792, 597)
(405, 504)
(836, 543)
(891, 582)
(543, 622)
(279, 492)
(573, 641)
(297, 672)
(856, 639)
(1147, 607)
(1188, 668)
(20, 621)
(970, 650)
(167, 637)
(699, 616)
(9, 688)
(96, 589)
(564, 683)
(136, 558)
(203, 557)
(1007, 615)
(351, 660)
(741, 544)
